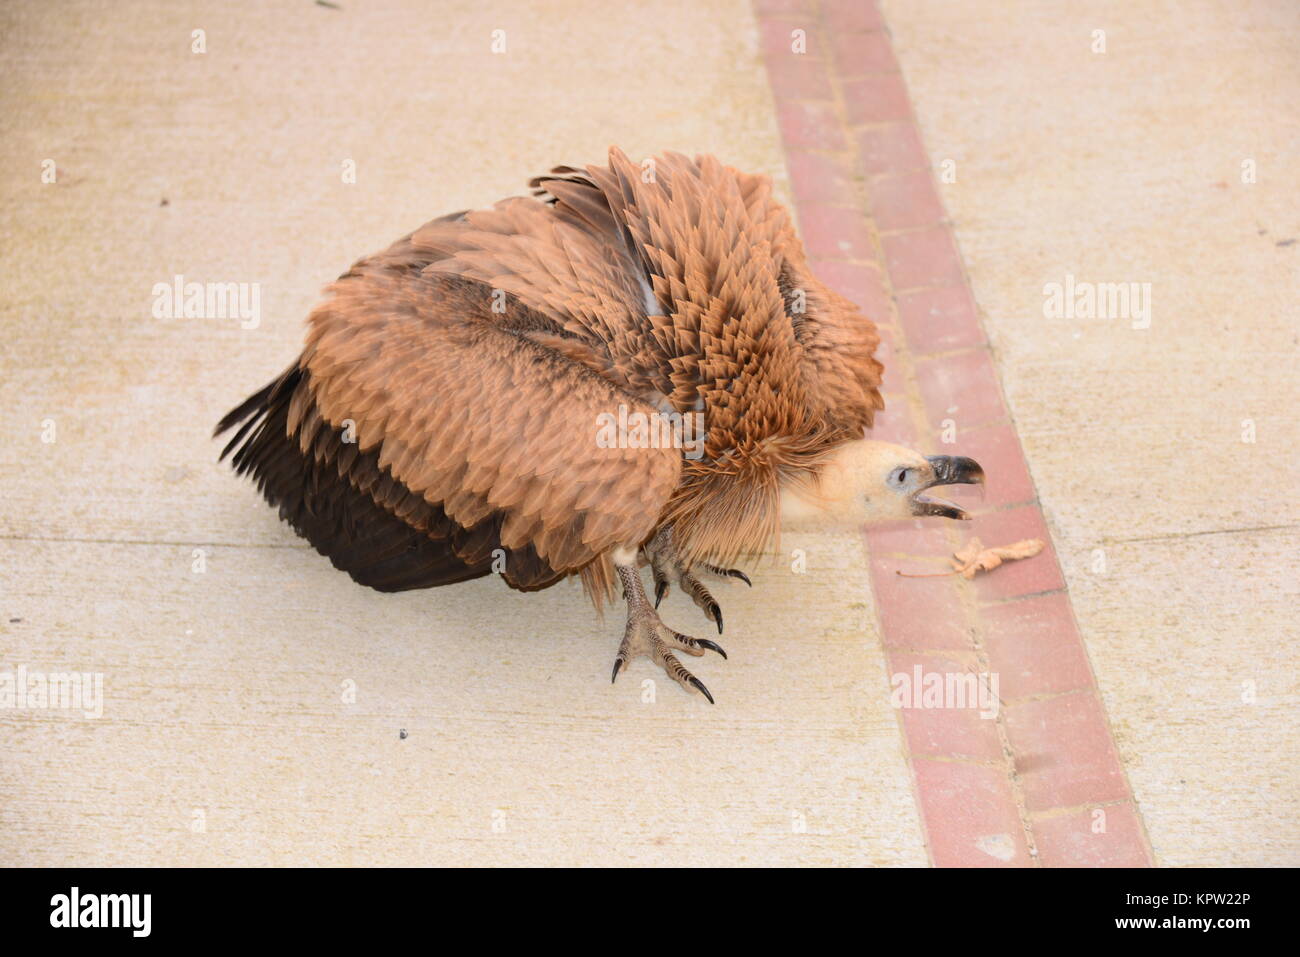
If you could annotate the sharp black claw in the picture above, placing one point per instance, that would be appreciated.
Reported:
(737, 573)
(618, 663)
(703, 690)
(716, 614)
(661, 589)
(711, 645)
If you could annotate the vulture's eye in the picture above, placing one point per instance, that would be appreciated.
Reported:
(899, 477)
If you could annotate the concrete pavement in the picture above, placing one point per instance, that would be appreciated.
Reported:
(254, 699)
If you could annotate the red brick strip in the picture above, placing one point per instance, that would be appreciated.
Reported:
(1041, 784)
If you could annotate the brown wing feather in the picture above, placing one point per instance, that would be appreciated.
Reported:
(365, 522)
(469, 414)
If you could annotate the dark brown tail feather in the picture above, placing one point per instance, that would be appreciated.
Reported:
(339, 500)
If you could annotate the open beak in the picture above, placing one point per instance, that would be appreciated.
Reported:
(948, 470)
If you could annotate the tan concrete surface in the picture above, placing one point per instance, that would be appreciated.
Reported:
(1179, 539)
(227, 691)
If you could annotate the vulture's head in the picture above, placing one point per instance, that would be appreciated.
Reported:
(867, 481)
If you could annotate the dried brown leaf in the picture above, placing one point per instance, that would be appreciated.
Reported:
(973, 557)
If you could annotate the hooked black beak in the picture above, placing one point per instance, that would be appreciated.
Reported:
(955, 470)
(948, 470)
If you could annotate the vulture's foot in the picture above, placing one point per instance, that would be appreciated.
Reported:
(647, 635)
(664, 564)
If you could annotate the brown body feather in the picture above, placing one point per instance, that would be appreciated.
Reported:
(444, 412)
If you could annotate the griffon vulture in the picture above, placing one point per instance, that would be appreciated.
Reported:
(634, 365)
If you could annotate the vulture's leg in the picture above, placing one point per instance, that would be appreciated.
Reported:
(647, 635)
(664, 562)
